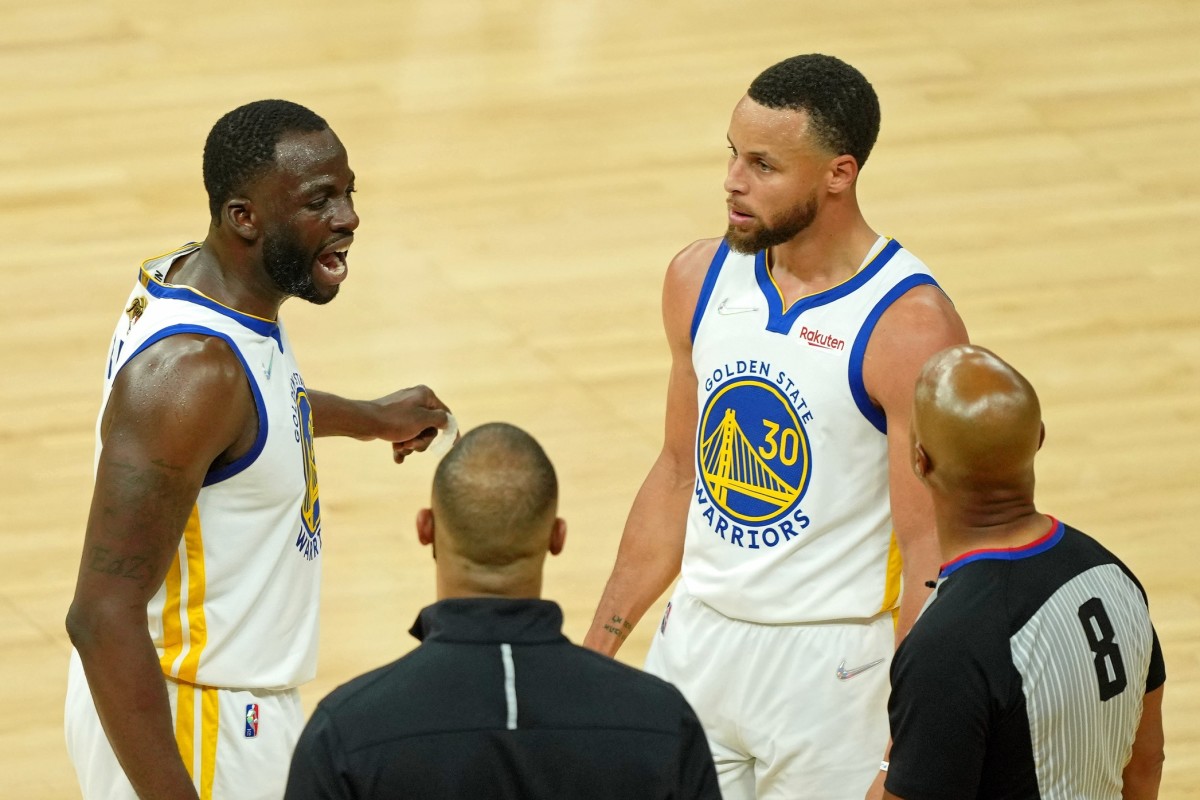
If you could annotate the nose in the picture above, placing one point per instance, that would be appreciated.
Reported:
(346, 218)
(735, 177)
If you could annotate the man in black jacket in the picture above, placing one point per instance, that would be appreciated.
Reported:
(496, 702)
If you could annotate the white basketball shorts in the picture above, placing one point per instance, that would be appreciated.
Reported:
(237, 743)
(791, 711)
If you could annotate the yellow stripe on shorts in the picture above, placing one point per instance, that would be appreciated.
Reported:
(891, 586)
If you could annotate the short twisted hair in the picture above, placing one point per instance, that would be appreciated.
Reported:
(842, 107)
(242, 145)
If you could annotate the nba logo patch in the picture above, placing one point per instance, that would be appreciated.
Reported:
(251, 720)
(662, 628)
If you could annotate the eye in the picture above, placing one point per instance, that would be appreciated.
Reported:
(351, 191)
(732, 151)
(764, 166)
(318, 203)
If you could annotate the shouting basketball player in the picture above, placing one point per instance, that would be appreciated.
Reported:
(206, 516)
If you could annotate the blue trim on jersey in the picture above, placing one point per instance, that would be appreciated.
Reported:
(1007, 554)
(779, 321)
(260, 441)
(858, 387)
(706, 289)
(189, 295)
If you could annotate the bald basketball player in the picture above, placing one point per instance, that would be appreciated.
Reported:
(1034, 670)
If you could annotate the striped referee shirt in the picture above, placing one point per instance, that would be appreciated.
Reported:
(1024, 676)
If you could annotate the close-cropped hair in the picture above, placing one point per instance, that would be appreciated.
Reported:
(842, 107)
(242, 144)
(497, 491)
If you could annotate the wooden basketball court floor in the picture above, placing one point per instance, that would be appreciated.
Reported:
(526, 170)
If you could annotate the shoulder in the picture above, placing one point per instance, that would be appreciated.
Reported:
(361, 692)
(194, 359)
(918, 324)
(183, 376)
(692, 262)
(683, 283)
(640, 689)
(923, 318)
(966, 618)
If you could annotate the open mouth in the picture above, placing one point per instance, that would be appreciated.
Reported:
(333, 262)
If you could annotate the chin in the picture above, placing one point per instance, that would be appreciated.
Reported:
(321, 298)
(739, 242)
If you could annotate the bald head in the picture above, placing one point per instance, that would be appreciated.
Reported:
(977, 424)
(495, 497)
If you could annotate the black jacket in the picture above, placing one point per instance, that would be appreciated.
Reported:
(497, 703)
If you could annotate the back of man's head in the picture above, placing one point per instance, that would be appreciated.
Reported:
(495, 497)
(977, 421)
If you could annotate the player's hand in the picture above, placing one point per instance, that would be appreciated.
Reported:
(410, 419)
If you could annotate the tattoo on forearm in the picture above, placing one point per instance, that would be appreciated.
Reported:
(132, 567)
(618, 626)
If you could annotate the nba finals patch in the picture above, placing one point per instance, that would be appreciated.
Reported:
(662, 628)
(753, 456)
(251, 720)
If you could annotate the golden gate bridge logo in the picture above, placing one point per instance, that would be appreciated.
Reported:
(753, 451)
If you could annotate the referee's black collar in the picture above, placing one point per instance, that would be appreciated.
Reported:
(482, 620)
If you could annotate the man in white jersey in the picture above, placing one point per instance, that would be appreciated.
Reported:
(205, 518)
(783, 488)
(1034, 670)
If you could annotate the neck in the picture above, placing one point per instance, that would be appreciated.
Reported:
(826, 253)
(227, 274)
(465, 579)
(966, 523)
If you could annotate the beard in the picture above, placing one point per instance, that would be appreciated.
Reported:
(763, 237)
(290, 266)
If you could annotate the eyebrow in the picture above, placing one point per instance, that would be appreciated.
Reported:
(323, 183)
(761, 153)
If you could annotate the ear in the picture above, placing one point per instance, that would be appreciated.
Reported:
(843, 172)
(1041, 435)
(242, 217)
(425, 526)
(558, 536)
(921, 463)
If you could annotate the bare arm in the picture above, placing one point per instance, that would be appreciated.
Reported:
(175, 410)
(916, 326)
(651, 548)
(1143, 773)
(409, 418)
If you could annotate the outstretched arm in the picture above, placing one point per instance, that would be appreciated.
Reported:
(651, 548)
(176, 409)
(409, 418)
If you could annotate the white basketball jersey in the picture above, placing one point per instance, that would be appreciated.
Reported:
(239, 605)
(790, 520)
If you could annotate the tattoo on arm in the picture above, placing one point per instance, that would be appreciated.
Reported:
(133, 567)
(618, 626)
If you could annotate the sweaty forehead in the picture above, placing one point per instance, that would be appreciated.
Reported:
(302, 157)
(760, 126)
